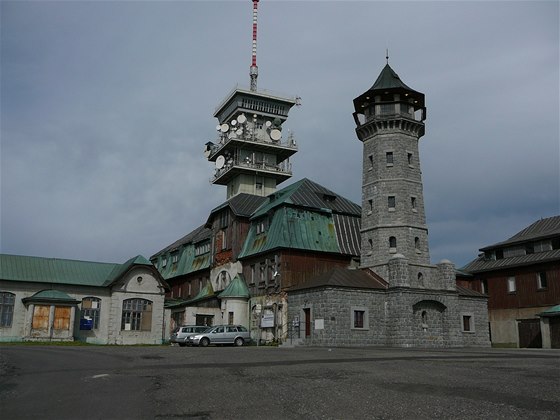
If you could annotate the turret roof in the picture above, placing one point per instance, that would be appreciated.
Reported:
(389, 81)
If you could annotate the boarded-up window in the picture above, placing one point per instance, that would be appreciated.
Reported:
(61, 318)
(41, 317)
(137, 315)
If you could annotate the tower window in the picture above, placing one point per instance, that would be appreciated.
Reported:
(387, 109)
(370, 157)
(409, 157)
(413, 203)
(370, 203)
(391, 201)
(417, 244)
(392, 244)
(389, 158)
(421, 279)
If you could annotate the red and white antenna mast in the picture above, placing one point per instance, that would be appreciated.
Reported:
(254, 70)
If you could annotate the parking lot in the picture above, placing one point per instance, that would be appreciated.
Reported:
(169, 382)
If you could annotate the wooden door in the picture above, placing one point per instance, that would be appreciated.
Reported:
(61, 318)
(529, 333)
(41, 317)
(307, 313)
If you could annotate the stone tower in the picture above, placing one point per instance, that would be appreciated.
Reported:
(389, 121)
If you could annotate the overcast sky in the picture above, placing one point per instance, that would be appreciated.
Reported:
(106, 107)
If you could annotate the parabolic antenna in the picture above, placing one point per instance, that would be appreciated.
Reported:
(220, 162)
(224, 128)
(233, 122)
(275, 134)
(268, 124)
(242, 118)
(218, 127)
(239, 131)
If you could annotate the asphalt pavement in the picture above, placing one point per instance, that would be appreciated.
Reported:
(171, 382)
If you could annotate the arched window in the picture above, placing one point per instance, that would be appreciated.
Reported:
(91, 310)
(7, 301)
(393, 243)
(136, 315)
(421, 279)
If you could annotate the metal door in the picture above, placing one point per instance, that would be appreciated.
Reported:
(529, 333)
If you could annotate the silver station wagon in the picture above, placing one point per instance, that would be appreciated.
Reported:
(221, 334)
(180, 334)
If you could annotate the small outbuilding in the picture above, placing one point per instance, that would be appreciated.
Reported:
(50, 299)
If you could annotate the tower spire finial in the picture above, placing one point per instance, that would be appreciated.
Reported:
(387, 55)
(254, 70)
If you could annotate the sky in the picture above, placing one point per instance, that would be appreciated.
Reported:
(106, 106)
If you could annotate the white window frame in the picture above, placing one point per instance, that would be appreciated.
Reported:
(511, 284)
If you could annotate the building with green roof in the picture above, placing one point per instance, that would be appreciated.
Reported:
(51, 299)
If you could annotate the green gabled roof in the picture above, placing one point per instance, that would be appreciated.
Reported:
(50, 295)
(294, 228)
(187, 262)
(206, 292)
(63, 271)
(236, 288)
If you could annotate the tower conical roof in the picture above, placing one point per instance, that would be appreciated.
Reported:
(388, 81)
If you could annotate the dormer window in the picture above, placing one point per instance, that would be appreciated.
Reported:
(201, 248)
(164, 262)
(175, 258)
(224, 219)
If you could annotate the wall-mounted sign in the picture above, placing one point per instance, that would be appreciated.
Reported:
(267, 321)
(319, 324)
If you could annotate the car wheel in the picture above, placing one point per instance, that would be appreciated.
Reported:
(182, 344)
(204, 342)
(238, 341)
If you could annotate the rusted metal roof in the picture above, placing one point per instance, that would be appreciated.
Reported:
(344, 277)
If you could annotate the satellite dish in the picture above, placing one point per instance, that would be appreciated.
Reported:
(275, 134)
(268, 124)
(218, 127)
(242, 118)
(220, 162)
(233, 122)
(239, 131)
(224, 128)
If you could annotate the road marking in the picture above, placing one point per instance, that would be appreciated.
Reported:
(100, 376)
